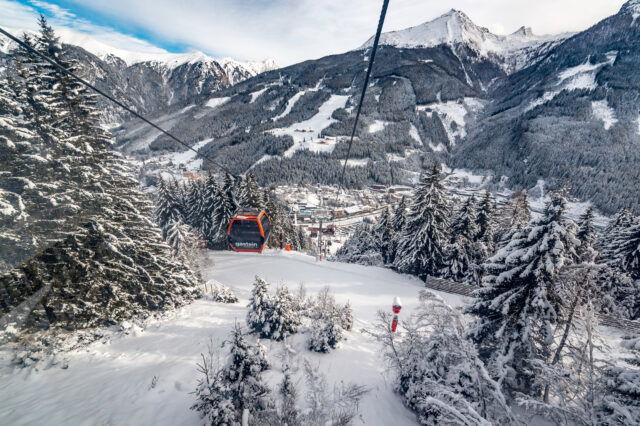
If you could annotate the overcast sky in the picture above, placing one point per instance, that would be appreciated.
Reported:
(287, 30)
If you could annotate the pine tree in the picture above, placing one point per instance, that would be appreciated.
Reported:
(194, 204)
(613, 236)
(259, 306)
(422, 247)
(361, 248)
(210, 208)
(438, 372)
(587, 237)
(485, 222)
(167, 207)
(465, 224)
(252, 194)
(628, 252)
(621, 405)
(384, 234)
(284, 316)
(228, 208)
(400, 217)
(224, 394)
(519, 303)
(97, 226)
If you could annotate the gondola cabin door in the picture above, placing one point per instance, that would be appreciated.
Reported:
(249, 232)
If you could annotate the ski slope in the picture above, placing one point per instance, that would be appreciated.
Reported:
(112, 383)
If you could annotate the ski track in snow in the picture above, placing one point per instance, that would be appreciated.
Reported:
(111, 383)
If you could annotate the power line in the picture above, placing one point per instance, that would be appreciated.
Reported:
(376, 40)
(115, 101)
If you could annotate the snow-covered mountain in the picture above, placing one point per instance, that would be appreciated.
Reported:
(151, 80)
(455, 28)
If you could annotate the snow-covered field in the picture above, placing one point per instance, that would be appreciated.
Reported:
(111, 383)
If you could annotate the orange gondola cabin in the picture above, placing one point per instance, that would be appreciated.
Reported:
(249, 231)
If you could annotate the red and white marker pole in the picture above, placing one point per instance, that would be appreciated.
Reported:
(397, 305)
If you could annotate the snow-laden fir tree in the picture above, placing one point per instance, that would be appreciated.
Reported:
(464, 254)
(228, 207)
(252, 196)
(613, 236)
(485, 221)
(224, 393)
(627, 254)
(361, 248)
(194, 199)
(518, 306)
(465, 223)
(167, 207)
(105, 261)
(16, 244)
(283, 317)
(400, 216)
(438, 372)
(259, 306)
(422, 246)
(621, 405)
(384, 234)
(587, 236)
(212, 202)
(324, 335)
(514, 216)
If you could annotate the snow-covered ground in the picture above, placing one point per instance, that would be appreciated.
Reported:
(306, 134)
(111, 383)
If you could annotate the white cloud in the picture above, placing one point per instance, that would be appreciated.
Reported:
(294, 30)
(17, 17)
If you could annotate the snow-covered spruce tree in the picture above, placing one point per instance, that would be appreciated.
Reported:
(329, 320)
(464, 254)
(224, 393)
(574, 382)
(194, 199)
(15, 159)
(383, 231)
(465, 223)
(283, 231)
(511, 218)
(167, 207)
(398, 221)
(619, 293)
(260, 306)
(587, 236)
(360, 248)
(111, 263)
(339, 408)
(227, 209)
(485, 221)
(186, 244)
(422, 246)
(284, 316)
(518, 306)
(438, 372)
(324, 335)
(628, 252)
(209, 208)
(252, 195)
(621, 405)
(612, 237)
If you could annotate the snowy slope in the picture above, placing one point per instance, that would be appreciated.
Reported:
(111, 383)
